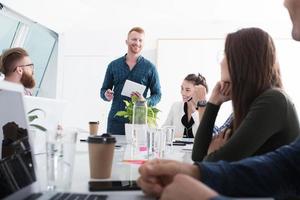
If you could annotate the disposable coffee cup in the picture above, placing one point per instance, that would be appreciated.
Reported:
(101, 153)
(94, 127)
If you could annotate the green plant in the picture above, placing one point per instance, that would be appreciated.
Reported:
(128, 112)
(32, 116)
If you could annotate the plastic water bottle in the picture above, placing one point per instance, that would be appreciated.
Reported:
(139, 125)
(140, 112)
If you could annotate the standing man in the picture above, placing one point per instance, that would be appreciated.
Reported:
(17, 67)
(134, 67)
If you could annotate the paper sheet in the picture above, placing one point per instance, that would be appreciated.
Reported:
(130, 87)
(188, 147)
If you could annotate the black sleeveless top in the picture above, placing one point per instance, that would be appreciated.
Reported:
(188, 131)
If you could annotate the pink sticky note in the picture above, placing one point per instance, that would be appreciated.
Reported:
(138, 162)
(143, 148)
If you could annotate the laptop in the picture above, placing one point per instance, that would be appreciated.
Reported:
(49, 113)
(51, 110)
(18, 178)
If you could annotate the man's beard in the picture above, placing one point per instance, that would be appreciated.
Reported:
(27, 80)
(133, 49)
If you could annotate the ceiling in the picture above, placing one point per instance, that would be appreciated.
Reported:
(63, 14)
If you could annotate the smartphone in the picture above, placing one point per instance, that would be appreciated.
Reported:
(113, 185)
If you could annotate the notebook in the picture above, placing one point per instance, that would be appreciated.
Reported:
(18, 178)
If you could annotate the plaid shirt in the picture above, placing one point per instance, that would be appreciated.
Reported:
(144, 72)
(227, 124)
(28, 92)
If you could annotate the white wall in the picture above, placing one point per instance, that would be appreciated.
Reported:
(93, 32)
(178, 57)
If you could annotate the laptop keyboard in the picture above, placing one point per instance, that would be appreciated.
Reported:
(70, 196)
(34, 196)
(76, 196)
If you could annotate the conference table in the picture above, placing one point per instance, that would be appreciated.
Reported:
(121, 169)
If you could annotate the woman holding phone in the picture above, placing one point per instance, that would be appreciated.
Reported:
(185, 115)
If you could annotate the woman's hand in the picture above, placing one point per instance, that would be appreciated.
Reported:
(199, 93)
(219, 140)
(221, 93)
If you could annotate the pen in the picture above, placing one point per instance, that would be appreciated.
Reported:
(179, 144)
(183, 142)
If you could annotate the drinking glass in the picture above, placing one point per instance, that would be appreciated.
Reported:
(60, 148)
(156, 143)
(169, 132)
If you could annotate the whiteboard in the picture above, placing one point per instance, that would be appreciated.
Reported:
(178, 57)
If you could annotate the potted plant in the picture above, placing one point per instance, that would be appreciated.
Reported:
(128, 112)
(33, 115)
(37, 138)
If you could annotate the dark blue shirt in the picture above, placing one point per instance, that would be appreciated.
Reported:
(144, 72)
(276, 174)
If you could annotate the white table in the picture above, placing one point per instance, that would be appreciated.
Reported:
(120, 169)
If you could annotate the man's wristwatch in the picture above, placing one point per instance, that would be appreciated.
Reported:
(201, 104)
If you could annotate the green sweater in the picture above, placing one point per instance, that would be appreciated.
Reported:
(271, 122)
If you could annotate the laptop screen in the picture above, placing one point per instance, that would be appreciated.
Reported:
(16, 164)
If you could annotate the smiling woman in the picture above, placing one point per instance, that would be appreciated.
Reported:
(186, 115)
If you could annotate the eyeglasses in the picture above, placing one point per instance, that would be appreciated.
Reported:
(28, 65)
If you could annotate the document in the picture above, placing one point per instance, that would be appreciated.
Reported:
(130, 87)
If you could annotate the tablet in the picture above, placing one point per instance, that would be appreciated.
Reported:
(131, 86)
